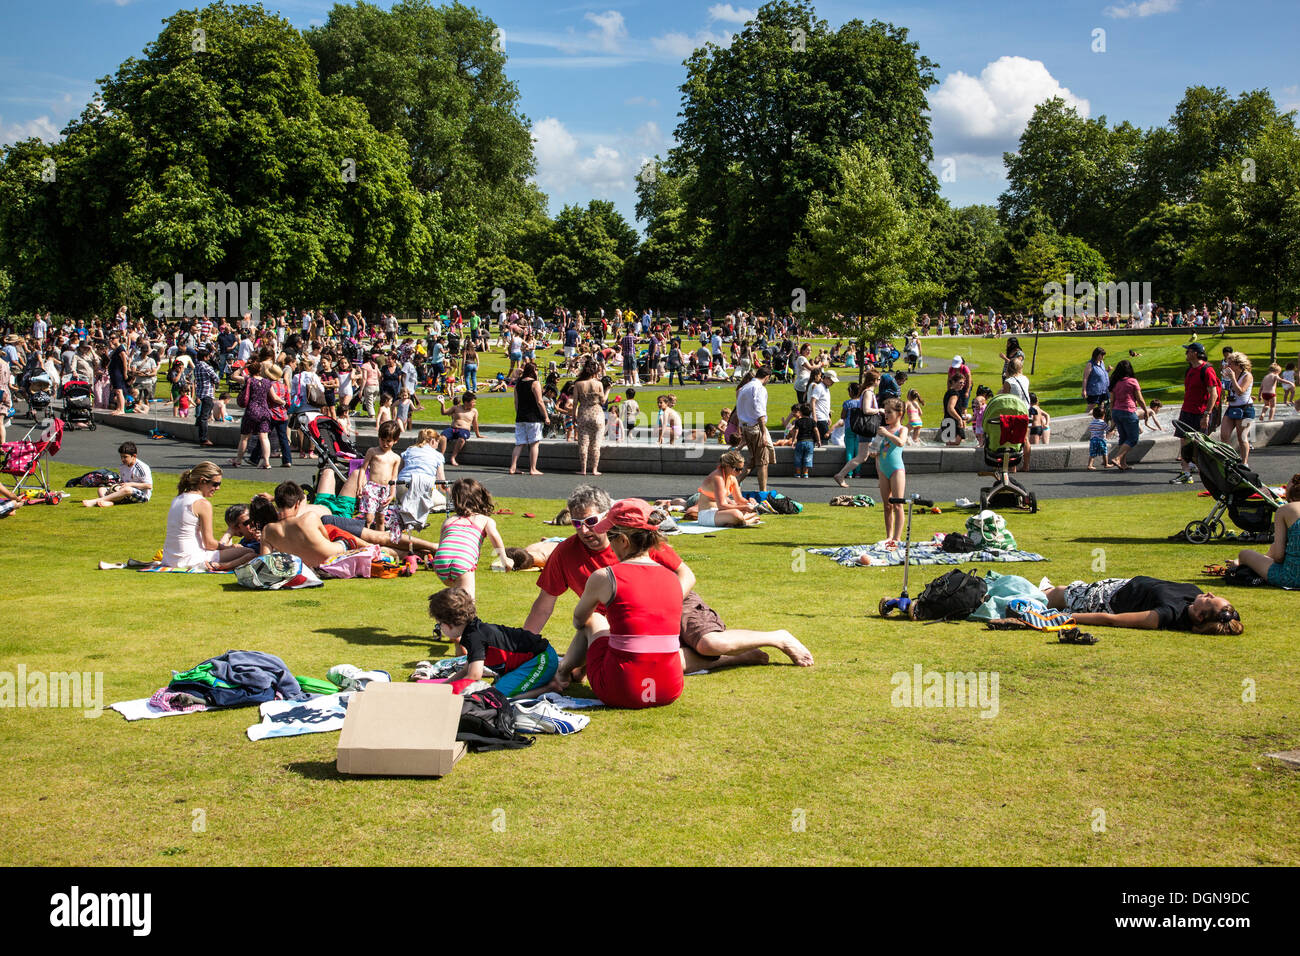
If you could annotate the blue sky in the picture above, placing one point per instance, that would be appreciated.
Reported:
(599, 81)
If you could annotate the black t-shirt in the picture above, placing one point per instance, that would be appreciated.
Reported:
(1169, 599)
(500, 648)
(226, 341)
(805, 429)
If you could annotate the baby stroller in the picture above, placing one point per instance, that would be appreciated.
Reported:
(1235, 488)
(78, 400)
(1006, 426)
(27, 460)
(35, 386)
(326, 436)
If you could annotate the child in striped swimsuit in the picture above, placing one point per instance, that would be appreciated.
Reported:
(463, 532)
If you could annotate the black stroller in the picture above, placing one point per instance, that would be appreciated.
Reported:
(1250, 504)
(78, 403)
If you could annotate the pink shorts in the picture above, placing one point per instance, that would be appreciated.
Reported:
(373, 498)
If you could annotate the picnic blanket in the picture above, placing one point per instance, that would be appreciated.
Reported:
(692, 527)
(165, 570)
(290, 718)
(878, 556)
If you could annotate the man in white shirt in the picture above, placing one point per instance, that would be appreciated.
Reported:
(751, 408)
(39, 328)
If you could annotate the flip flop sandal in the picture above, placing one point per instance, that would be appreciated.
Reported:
(1216, 570)
(529, 514)
(504, 511)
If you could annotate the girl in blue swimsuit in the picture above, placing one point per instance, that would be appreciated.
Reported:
(1280, 565)
(888, 451)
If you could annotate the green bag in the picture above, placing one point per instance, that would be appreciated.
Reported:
(989, 531)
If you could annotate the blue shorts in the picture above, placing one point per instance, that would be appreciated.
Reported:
(454, 433)
(1238, 413)
(1096, 448)
(531, 674)
(803, 454)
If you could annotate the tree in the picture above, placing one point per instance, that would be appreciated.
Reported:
(668, 267)
(968, 245)
(436, 76)
(764, 120)
(1080, 172)
(863, 252)
(1252, 233)
(215, 155)
(582, 255)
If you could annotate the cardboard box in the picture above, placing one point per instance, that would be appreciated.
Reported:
(401, 730)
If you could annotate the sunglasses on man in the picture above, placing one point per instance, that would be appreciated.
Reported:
(588, 522)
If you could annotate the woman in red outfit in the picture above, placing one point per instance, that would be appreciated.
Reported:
(633, 663)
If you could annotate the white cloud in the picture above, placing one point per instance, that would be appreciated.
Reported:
(975, 119)
(679, 45)
(1292, 98)
(730, 14)
(641, 101)
(42, 128)
(985, 114)
(1145, 8)
(610, 30)
(599, 165)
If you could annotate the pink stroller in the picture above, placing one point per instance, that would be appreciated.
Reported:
(28, 460)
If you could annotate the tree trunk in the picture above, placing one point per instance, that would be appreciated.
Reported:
(1277, 305)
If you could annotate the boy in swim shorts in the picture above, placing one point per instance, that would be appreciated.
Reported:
(382, 465)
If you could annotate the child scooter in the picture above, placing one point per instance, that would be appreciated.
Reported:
(903, 604)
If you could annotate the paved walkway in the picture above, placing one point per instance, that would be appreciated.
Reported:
(99, 448)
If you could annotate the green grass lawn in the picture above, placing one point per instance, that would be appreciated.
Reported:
(1057, 376)
(1149, 728)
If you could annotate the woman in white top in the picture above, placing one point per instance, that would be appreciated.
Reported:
(190, 542)
(1238, 383)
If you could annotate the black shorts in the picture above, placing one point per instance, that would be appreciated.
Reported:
(353, 526)
(1192, 420)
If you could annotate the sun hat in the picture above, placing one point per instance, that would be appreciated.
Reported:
(957, 362)
(627, 513)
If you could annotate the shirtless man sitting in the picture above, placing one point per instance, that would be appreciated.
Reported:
(464, 419)
(289, 526)
(332, 510)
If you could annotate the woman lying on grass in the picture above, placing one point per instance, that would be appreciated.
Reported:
(1147, 603)
(1280, 566)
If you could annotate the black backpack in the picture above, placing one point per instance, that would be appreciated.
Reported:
(958, 543)
(951, 596)
(487, 722)
(863, 424)
(783, 505)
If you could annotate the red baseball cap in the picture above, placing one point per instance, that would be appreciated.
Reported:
(627, 513)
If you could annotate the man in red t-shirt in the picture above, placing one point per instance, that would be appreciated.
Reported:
(707, 643)
(1200, 395)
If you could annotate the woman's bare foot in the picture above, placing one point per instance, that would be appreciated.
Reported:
(512, 472)
(535, 472)
(93, 502)
(841, 482)
(594, 474)
(1092, 467)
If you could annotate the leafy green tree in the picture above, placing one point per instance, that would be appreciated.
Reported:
(968, 245)
(764, 120)
(1080, 172)
(864, 253)
(216, 155)
(436, 76)
(583, 254)
(1252, 233)
(668, 267)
